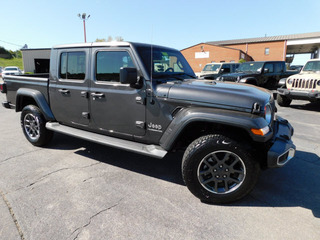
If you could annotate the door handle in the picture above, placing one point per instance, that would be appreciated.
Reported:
(64, 91)
(97, 95)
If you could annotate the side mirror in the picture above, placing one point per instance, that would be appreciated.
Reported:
(128, 75)
(266, 70)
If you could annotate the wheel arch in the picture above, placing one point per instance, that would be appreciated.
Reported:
(193, 123)
(27, 96)
(250, 80)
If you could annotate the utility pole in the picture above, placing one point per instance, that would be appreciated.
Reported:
(84, 17)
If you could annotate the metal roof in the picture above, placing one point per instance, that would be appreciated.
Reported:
(267, 39)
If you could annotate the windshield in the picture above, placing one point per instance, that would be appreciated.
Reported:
(10, 69)
(250, 67)
(312, 66)
(211, 67)
(166, 63)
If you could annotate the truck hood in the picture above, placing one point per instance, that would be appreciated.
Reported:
(307, 75)
(236, 96)
(240, 74)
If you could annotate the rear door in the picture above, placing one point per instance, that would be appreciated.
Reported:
(269, 75)
(116, 109)
(69, 89)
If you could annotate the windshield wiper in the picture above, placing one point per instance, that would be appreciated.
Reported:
(189, 75)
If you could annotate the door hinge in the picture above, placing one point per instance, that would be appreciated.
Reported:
(140, 100)
(86, 115)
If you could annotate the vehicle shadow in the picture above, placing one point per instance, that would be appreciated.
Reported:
(168, 168)
(309, 106)
(295, 185)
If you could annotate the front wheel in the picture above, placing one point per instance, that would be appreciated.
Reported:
(217, 169)
(33, 126)
(283, 101)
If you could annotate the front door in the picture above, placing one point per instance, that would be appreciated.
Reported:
(69, 90)
(116, 109)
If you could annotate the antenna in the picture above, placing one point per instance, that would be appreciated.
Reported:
(151, 66)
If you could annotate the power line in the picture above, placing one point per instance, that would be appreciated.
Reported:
(11, 43)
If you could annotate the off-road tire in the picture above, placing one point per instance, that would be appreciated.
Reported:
(217, 169)
(283, 101)
(33, 126)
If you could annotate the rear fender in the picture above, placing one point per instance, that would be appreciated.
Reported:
(38, 97)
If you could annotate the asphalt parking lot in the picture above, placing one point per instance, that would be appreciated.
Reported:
(74, 189)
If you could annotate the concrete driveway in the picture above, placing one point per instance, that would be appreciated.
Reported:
(74, 189)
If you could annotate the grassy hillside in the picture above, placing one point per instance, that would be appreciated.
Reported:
(11, 62)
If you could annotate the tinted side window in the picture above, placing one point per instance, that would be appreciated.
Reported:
(226, 68)
(108, 64)
(63, 66)
(73, 65)
(278, 67)
(269, 66)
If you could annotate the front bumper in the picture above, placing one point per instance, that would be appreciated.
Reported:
(303, 95)
(282, 149)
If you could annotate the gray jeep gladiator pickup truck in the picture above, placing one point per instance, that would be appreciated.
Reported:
(146, 99)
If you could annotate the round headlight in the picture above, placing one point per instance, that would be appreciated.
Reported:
(290, 81)
(268, 113)
(318, 83)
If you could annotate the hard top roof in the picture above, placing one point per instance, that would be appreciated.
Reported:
(105, 44)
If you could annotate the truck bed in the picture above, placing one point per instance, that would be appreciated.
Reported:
(35, 81)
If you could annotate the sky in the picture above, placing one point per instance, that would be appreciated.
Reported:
(173, 23)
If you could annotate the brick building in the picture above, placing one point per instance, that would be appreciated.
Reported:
(281, 48)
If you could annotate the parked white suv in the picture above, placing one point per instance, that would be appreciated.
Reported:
(303, 86)
(12, 70)
(214, 70)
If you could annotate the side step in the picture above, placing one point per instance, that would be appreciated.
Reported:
(149, 150)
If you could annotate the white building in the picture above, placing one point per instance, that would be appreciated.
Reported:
(36, 60)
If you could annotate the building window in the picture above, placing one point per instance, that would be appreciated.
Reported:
(266, 51)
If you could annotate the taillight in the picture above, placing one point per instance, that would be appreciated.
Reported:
(3, 88)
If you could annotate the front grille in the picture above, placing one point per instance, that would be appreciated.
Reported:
(229, 79)
(305, 83)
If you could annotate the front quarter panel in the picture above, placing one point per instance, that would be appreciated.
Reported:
(186, 116)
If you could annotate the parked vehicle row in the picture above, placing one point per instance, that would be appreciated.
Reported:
(263, 74)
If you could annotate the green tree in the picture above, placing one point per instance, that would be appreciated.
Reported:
(16, 54)
(100, 40)
(242, 60)
(110, 39)
(5, 53)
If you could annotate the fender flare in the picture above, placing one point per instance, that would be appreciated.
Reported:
(249, 80)
(38, 97)
(242, 120)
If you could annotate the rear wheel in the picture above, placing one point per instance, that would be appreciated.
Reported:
(33, 126)
(217, 169)
(283, 101)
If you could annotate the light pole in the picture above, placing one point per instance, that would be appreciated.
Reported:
(84, 17)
